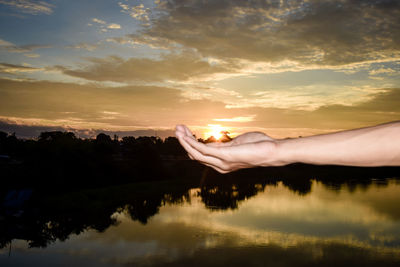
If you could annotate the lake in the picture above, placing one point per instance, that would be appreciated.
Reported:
(246, 222)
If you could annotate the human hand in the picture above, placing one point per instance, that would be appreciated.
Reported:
(245, 151)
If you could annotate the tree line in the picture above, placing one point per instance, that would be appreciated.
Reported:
(60, 155)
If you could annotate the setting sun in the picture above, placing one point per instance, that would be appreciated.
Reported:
(214, 130)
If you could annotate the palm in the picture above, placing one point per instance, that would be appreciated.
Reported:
(250, 137)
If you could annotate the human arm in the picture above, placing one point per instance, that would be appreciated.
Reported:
(372, 146)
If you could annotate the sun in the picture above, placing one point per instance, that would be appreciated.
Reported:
(214, 130)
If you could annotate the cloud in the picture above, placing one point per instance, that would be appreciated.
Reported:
(322, 33)
(384, 101)
(382, 71)
(30, 6)
(238, 119)
(10, 47)
(114, 26)
(131, 108)
(69, 105)
(177, 67)
(83, 106)
(138, 12)
(120, 40)
(104, 26)
(86, 46)
(99, 21)
(381, 106)
(32, 55)
(12, 69)
(26, 48)
(152, 41)
(5, 43)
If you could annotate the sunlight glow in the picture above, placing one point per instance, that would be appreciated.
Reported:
(214, 130)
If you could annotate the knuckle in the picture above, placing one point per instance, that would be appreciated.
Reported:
(225, 167)
(196, 157)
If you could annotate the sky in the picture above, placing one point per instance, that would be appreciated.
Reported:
(287, 68)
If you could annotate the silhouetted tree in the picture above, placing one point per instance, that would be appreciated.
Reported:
(210, 139)
(56, 136)
(102, 138)
(104, 145)
(225, 137)
(172, 146)
(3, 141)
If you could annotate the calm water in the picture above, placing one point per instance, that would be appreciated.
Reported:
(355, 224)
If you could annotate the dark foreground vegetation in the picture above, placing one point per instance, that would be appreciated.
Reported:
(60, 185)
(60, 159)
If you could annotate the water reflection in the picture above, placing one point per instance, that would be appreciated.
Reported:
(312, 216)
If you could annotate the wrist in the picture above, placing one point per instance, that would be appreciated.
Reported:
(284, 152)
(276, 153)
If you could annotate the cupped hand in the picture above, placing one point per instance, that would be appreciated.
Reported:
(245, 151)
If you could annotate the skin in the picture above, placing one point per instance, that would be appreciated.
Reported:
(371, 146)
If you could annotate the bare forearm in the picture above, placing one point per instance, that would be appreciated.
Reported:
(371, 146)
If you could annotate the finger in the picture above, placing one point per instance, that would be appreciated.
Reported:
(215, 162)
(180, 128)
(216, 168)
(209, 165)
(208, 161)
(219, 144)
(179, 134)
(188, 132)
(206, 150)
(194, 154)
(185, 130)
